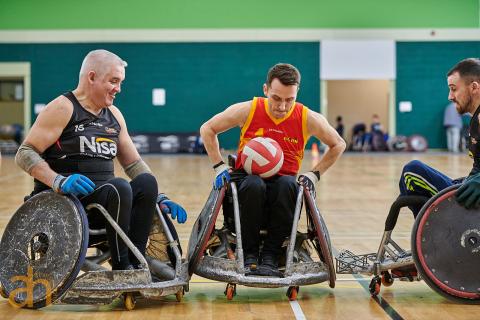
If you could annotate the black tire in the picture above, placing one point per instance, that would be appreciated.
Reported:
(322, 238)
(203, 228)
(46, 239)
(437, 225)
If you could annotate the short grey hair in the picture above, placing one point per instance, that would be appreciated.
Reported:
(99, 61)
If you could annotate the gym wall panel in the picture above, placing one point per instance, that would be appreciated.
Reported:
(421, 79)
(200, 79)
(357, 59)
(146, 14)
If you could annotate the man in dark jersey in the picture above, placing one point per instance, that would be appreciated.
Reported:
(71, 146)
(418, 178)
(271, 201)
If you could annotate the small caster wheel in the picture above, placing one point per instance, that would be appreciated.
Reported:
(179, 295)
(231, 291)
(2, 292)
(129, 301)
(374, 286)
(292, 293)
(387, 279)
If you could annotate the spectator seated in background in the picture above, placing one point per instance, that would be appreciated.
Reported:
(377, 138)
(359, 132)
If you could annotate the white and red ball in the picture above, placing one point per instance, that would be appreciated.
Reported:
(262, 157)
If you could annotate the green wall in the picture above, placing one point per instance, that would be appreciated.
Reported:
(203, 78)
(421, 79)
(200, 79)
(92, 14)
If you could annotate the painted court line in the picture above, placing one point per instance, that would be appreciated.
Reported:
(381, 302)
(297, 310)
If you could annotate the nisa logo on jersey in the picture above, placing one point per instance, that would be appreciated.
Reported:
(100, 146)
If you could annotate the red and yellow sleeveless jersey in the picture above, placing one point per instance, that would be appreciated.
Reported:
(290, 132)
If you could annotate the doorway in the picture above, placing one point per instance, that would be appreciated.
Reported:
(356, 101)
(15, 114)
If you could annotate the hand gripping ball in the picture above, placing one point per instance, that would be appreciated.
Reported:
(262, 157)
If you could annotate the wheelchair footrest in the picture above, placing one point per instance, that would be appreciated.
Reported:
(350, 263)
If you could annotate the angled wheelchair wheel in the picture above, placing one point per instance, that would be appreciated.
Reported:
(446, 247)
(42, 249)
(203, 228)
(322, 238)
(157, 246)
(129, 301)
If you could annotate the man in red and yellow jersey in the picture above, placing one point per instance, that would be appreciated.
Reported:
(280, 117)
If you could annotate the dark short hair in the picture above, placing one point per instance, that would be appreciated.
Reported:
(286, 73)
(339, 118)
(468, 69)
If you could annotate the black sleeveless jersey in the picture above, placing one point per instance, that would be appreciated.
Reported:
(87, 145)
(474, 141)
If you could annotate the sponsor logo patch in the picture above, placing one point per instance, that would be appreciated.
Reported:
(100, 146)
(110, 130)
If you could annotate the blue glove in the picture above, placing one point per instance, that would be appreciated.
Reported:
(174, 209)
(308, 181)
(222, 176)
(76, 184)
(468, 195)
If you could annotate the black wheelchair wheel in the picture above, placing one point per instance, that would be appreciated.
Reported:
(42, 249)
(321, 236)
(446, 247)
(203, 228)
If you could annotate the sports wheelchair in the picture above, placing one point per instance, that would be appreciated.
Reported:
(217, 254)
(44, 257)
(445, 249)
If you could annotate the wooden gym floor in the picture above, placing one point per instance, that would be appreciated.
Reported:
(353, 197)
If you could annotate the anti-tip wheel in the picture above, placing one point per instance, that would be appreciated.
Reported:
(292, 293)
(387, 279)
(179, 295)
(230, 291)
(374, 286)
(129, 301)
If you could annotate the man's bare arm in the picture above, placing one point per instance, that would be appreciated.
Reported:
(46, 130)
(127, 154)
(233, 116)
(319, 127)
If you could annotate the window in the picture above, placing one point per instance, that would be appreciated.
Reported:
(11, 90)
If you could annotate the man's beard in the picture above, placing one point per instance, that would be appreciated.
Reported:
(465, 108)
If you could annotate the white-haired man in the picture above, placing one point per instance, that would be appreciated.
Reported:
(71, 147)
